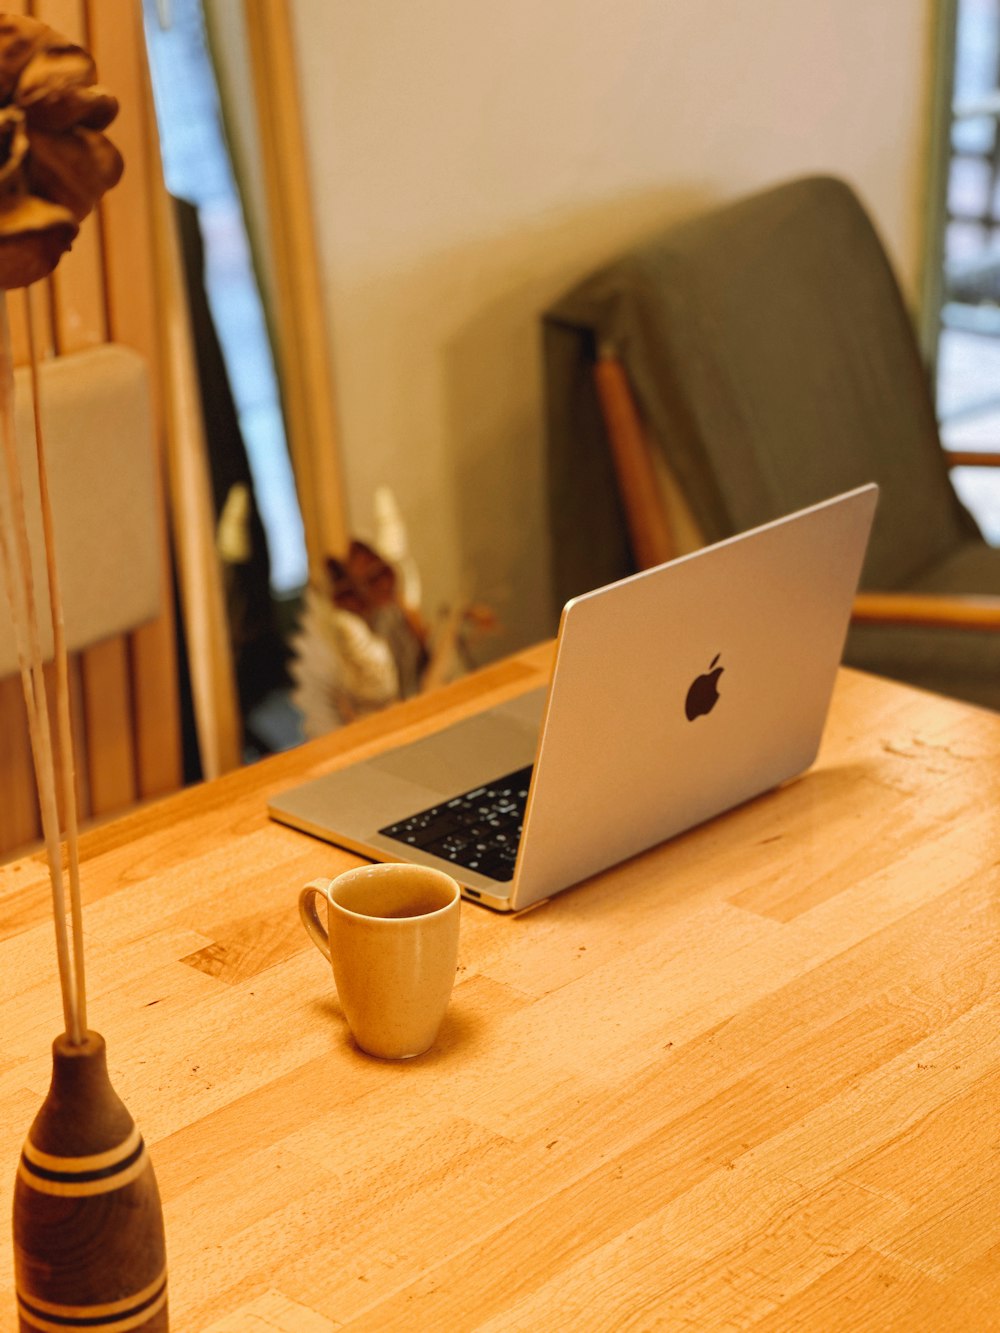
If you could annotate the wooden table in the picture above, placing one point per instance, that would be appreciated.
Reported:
(751, 1078)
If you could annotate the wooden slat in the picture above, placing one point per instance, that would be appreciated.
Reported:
(80, 321)
(107, 701)
(40, 296)
(20, 822)
(77, 714)
(15, 309)
(68, 316)
(78, 281)
(125, 211)
(18, 330)
(19, 818)
(118, 46)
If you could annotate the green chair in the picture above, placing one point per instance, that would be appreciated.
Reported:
(744, 364)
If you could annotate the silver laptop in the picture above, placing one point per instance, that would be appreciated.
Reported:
(676, 694)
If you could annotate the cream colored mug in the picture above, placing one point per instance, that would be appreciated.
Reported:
(392, 938)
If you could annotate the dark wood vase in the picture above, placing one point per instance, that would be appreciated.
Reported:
(89, 1250)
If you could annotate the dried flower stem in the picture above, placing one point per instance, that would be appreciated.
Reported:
(16, 555)
(63, 720)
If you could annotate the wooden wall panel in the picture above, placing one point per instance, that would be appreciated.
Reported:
(124, 691)
(79, 317)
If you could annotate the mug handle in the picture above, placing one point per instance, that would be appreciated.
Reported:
(317, 932)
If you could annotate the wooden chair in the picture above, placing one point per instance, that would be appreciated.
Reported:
(761, 358)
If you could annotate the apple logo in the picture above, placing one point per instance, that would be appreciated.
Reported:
(704, 692)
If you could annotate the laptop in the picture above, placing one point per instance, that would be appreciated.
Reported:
(677, 693)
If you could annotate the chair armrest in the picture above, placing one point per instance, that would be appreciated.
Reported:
(970, 458)
(646, 514)
(903, 608)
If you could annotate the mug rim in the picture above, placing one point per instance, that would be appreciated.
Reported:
(365, 871)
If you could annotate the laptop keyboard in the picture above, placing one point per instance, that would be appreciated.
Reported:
(479, 830)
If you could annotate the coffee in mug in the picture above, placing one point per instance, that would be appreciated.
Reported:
(392, 939)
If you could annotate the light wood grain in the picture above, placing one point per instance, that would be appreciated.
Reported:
(750, 1079)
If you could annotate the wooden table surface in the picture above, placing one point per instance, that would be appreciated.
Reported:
(749, 1079)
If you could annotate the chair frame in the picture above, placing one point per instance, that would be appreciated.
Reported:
(653, 540)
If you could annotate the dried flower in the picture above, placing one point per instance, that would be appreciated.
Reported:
(55, 162)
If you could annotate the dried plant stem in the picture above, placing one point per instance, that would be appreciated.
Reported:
(63, 720)
(16, 554)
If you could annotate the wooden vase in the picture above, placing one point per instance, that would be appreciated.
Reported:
(89, 1250)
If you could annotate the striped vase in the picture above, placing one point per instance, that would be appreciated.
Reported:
(89, 1251)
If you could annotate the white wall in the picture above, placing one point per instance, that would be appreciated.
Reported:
(472, 158)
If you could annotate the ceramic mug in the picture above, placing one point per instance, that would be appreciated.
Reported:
(392, 938)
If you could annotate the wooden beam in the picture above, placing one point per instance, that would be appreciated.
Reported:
(303, 350)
